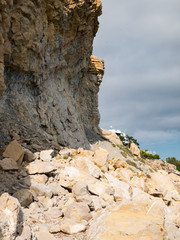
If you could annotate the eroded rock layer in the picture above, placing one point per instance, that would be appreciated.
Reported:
(46, 67)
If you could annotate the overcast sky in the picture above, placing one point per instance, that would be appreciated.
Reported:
(140, 93)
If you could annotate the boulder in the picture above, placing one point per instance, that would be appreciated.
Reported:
(100, 158)
(96, 203)
(160, 182)
(46, 155)
(134, 220)
(10, 217)
(122, 189)
(40, 189)
(70, 226)
(24, 197)
(110, 136)
(80, 189)
(135, 150)
(84, 164)
(40, 178)
(14, 151)
(40, 167)
(53, 213)
(28, 156)
(99, 188)
(118, 163)
(56, 189)
(8, 164)
(78, 212)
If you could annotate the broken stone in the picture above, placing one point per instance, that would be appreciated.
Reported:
(84, 164)
(10, 216)
(119, 223)
(40, 178)
(56, 189)
(28, 156)
(101, 159)
(78, 212)
(41, 189)
(70, 226)
(40, 167)
(54, 213)
(24, 197)
(8, 164)
(14, 151)
(100, 188)
(96, 203)
(80, 189)
(46, 155)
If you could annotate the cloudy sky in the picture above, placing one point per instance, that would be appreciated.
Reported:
(140, 93)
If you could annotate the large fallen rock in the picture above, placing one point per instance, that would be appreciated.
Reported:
(24, 197)
(70, 226)
(110, 136)
(100, 158)
(14, 151)
(40, 167)
(10, 217)
(84, 164)
(161, 184)
(131, 221)
(135, 150)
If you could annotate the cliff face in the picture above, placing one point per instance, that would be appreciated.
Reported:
(46, 67)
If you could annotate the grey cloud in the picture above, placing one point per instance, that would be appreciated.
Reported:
(139, 41)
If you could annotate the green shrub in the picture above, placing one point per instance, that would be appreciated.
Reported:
(178, 168)
(124, 154)
(174, 161)
(131, 169)
(132, 163)
(147, 154)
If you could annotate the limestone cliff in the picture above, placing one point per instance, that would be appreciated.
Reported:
(46, 67)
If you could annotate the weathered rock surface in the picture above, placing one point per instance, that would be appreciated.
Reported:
(110, 136)
(24, 197)
(133, 221)
(48, 71)
(40, 167)
(14, 151)
(135, 150)
(10, 217)
(8, 164)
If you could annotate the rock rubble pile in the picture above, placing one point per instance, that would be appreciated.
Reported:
(86, 194)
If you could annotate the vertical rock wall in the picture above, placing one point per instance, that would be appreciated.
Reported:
(46, 67)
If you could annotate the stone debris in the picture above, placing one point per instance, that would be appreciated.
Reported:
(40, 167)
(10, 217)
(28, 156)
(135, 150)
(46, 155)
(87, 195)
(24, 197)
(14, 151)
(8, 164)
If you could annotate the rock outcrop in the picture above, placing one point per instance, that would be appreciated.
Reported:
(47, 68)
